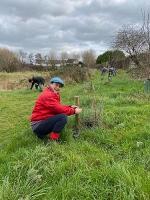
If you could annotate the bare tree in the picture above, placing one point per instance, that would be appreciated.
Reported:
(52, 58)
(75, 55)
(64, 57)
(89, 58)
(131, 40)
(46, 60)
(146, 28)
(22, 56)
(9, 61)
(31, 58)
(146, 32)
(38, 58)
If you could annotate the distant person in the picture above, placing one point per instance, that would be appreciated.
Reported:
(103, 70)
(112, 71)
(49, 116)
(38, 81)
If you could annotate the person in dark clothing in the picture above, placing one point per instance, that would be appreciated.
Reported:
(49, 116)
(104, 70)
(111, 72)
(38, 81)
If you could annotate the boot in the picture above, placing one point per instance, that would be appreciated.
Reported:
(54, 136)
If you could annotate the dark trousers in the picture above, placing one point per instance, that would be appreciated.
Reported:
(52, 124)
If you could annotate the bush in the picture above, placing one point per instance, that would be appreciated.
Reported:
(75, 73)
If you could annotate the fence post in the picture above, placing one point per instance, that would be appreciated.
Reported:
(77, 120)
(147, 86)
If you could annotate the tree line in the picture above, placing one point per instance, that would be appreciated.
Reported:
(11, 61)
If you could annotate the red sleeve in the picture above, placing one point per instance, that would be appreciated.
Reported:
(56, 107)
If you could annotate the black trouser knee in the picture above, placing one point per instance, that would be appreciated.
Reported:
(52, 124)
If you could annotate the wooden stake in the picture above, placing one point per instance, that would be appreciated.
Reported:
(77, 121)
(94, 109)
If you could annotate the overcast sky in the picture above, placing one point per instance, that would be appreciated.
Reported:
(65, 25)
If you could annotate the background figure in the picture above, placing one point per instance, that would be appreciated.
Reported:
(38, 81)
(103, 70)
(111, 72)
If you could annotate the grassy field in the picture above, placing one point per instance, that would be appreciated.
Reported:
(110, 162)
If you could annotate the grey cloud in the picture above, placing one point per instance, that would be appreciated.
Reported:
(35, 8)
(65, 24)
(125, 11)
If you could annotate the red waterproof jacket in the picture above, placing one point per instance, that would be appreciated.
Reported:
(48, 104)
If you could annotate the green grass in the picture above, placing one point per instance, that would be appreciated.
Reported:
(107, 162)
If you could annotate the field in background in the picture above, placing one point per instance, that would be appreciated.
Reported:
(107, 162)
(18, 80)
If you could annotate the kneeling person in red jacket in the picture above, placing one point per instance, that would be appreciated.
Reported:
(49, 116)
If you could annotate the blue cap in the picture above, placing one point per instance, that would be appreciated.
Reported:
(57, 80)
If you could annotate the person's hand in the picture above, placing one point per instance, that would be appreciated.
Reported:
(78, 110)
(74, 106)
